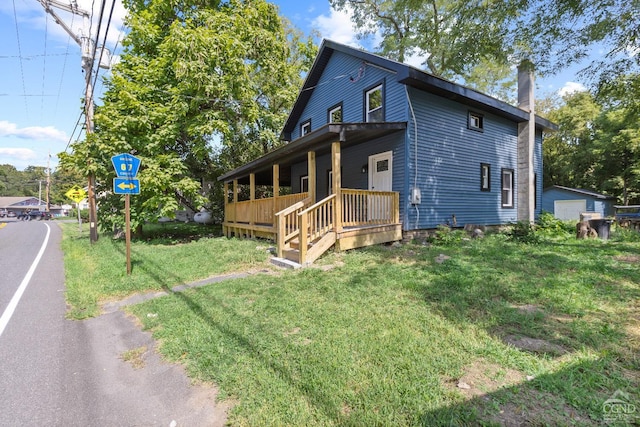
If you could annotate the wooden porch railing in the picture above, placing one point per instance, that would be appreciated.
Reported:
(287, 226)
(318, 220)
(363, 207)
(260, 211)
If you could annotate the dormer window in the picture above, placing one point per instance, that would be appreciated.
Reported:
(374, 104)
(305, 127)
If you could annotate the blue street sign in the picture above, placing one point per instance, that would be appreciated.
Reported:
(126, 186)
(126, 165)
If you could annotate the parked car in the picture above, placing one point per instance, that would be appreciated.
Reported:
(3, 213)
(11, 214)
(39, 215)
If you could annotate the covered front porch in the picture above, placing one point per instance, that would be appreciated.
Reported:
(304, 224)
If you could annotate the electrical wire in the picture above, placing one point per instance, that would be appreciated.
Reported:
(88, 103)
(44, 63)
(64, 64)
(104, 42)
(24, 87)
(74, 131)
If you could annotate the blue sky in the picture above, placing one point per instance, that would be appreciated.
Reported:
(42, 82)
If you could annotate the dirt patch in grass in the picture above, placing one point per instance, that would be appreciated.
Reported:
(527, 308)
(482, 377)
(534, 345)
(628, 258)
(531, 407)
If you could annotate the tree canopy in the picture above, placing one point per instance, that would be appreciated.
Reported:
(597, 147)
(475, 41)
(199, 79)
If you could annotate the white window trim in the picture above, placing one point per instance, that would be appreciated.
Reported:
(303, 126)
(333, 110)
(369, 112)
(485, 177)
(475, 121)
(510, 196)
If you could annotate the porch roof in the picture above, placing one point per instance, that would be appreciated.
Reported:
(318, 140)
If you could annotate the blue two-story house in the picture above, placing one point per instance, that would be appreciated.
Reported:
(377, 148)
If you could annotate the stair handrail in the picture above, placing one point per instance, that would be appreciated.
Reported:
(304, 224)
(287, 225)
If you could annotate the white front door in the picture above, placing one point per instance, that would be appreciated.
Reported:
(381, 171)
(380, 179)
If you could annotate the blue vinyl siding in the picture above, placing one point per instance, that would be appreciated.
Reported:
(447, 168)
(342, 81)
(352, 159)
(601, 206)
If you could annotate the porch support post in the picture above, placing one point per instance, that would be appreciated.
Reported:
(225, 191)
(235, 206)
(252, 204)
(337, 185)
(276, 190)
(311, 171)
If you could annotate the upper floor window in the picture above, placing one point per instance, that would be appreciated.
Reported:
(305, 127)
(374, 104)
(485, 177)
(475, 121)
(335, 114)
(507, 188)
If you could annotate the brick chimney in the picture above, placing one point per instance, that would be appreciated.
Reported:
(526, 144)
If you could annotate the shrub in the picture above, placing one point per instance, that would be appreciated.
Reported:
(524, 232)
(549, 225)
(446, 235)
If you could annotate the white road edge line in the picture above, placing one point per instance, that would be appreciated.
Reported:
(8, 312)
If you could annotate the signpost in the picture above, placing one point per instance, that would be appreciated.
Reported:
(126, 166)
(77, 194)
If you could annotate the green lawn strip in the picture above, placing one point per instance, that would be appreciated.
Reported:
(384, 338)
(97, 272)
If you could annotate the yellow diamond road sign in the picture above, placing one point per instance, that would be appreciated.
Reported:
(76, 194)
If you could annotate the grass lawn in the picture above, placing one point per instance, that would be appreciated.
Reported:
(168, 255)
(458, 332)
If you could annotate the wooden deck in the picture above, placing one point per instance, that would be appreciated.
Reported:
(304, 231)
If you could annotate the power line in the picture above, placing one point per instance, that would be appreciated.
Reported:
(104, 42)
(30, 57)
(64, 64)
(93, 56)
(24, 88)
(44, 63)
(74, 131)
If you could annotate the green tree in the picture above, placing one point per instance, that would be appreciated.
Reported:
(568, 156)
(194, 74)
(555, 34)
(617, 148)
(454, 36)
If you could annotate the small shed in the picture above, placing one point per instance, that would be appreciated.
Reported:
(568, 203)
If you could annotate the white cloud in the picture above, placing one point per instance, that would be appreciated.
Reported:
(33, 14)
(46, 133)
(571, 87)
(337, 27)
(17, 154)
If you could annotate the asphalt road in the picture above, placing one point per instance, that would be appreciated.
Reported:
(60, 372)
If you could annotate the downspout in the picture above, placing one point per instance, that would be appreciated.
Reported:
(415, 159)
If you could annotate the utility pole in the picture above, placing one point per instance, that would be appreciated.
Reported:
(87, 47)
(48, 182)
